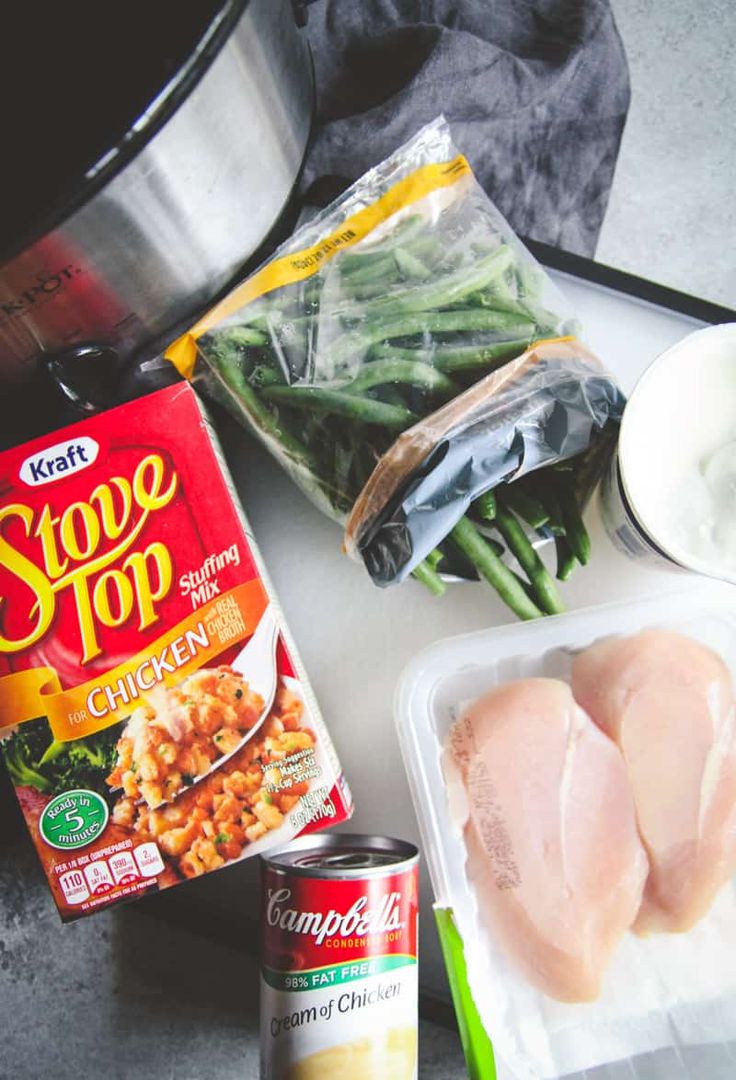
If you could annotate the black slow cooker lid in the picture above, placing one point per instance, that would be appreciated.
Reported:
(84, 85)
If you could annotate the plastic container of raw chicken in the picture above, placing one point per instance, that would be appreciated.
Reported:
(667, 1009)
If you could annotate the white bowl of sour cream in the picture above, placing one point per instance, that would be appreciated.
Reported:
(677, 453)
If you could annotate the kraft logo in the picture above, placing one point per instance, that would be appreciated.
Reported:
(58, 461)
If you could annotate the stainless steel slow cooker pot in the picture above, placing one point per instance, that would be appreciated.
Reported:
(155, 146)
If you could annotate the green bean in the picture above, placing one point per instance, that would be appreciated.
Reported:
(474, 547)
(444, 290)
(369, 291)
(413, 373)
(428, 576)
(340, 403)
(554, 525)
(495, 545)
(312, 291)
(243, 336)
(498, 299)
(502, 287)
(264, 375)
(434, 558)
(260, 414)
(410, 267)
(530, 280)
(565, 558)
(381, 269)
(355, 262)
(457, 358)
(548, 324)
(485, 505)
(526, 586)
(436, 322)
(412, 355)
(424, 248)
(258, 322)
(496, 302)
(525, 505)
(575, 531)
(376, 276)
(355, 259)
(532, 565)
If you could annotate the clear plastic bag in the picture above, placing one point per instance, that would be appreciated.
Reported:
(404, 295)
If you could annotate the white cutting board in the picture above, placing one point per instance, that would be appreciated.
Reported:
(355, 638)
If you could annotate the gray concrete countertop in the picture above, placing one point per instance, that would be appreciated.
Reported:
(671, 216)
(139, 991)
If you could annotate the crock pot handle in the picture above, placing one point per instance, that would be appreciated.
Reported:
(87, 375)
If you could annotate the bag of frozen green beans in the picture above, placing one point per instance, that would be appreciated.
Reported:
(418, 374)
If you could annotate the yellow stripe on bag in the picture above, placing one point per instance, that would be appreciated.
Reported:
(299, 265)
(100, 703)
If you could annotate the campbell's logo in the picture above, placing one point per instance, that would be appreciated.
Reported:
(58, 461)
(358, 920)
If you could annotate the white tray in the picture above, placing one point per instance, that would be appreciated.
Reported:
(659, 995)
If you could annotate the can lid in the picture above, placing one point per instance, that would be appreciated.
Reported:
(343, 856)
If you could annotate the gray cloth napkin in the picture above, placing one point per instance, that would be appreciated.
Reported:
(536, 92)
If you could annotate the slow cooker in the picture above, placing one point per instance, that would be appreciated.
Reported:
(155, 147)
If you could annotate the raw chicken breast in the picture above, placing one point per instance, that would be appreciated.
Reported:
(551, 835)
(668, 703)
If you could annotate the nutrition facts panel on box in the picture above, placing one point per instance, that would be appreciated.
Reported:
(98, 876)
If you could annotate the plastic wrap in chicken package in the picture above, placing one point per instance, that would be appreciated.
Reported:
(402, 355)
(575, 784)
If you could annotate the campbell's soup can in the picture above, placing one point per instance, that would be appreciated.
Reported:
(339, 960)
